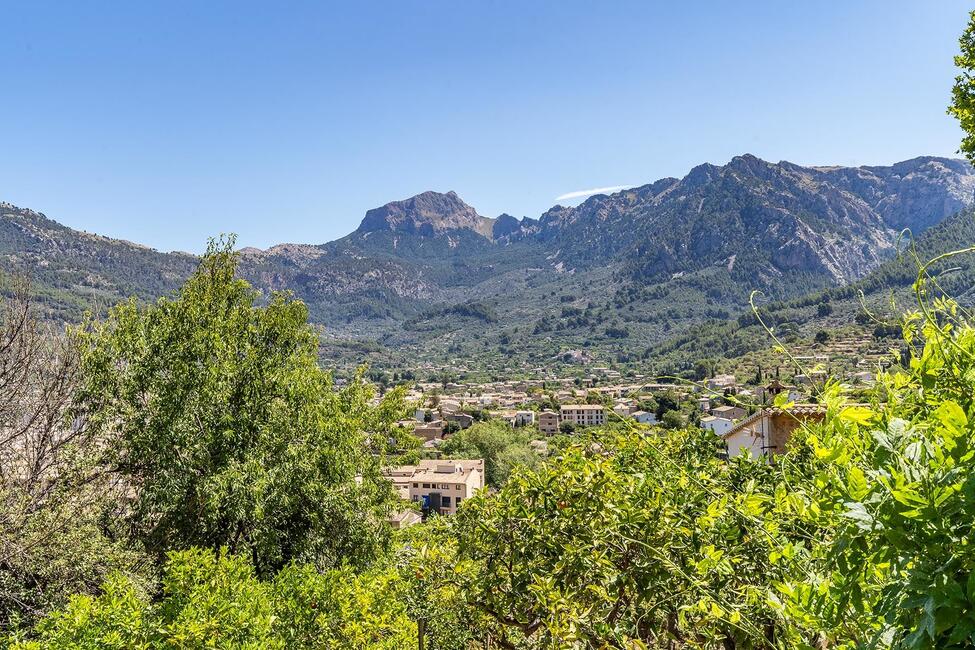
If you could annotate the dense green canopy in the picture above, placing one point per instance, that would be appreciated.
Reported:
(213, 406)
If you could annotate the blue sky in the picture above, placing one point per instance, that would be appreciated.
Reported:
(166, 123)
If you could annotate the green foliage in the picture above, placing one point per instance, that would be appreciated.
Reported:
(896, 481)
(216, 600)
(963, 93)
(435, 597)
(623, 540)
(476, 311)
(668, 401)
(502, 447)
(703, 368)
(673, 420)
(617, 332)
(216, 411)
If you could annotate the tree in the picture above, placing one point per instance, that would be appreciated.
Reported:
(648, 404)
(567, 428)
(216, 412)
(963, 93)
(703, 368)
(595, 551)
(427, 562)
(667, 401)
(673, 420)
(57, 504)
(822, 337)
(501, 447)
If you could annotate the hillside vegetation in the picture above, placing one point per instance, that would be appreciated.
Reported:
(248, 488)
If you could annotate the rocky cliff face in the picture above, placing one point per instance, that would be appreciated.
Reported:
(427, 215)
(762, 219)
(914, 194)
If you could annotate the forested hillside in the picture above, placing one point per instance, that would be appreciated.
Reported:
(871, 306)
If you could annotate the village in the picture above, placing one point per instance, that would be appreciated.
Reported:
(748, 417)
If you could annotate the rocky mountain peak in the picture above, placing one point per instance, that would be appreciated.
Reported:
(504, 225)
(427, 214)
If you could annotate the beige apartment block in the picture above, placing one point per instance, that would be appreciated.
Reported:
(584, 415)
(548, 422)
(439, 486)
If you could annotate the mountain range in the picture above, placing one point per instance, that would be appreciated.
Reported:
(430, 274)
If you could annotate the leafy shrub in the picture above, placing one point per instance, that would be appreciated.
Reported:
(216, 600)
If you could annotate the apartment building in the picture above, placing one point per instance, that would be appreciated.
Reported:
(439, 486)
(548, 422)
(584, 415)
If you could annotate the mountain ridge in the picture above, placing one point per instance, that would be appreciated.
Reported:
(709, 237)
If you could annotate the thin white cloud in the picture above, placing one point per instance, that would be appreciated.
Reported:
(596, 190)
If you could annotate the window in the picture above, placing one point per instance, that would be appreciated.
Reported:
(426, 485)
(416, 485)
(445, 502)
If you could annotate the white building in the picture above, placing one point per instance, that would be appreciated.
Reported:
(644, 417)
(717, 425)
(524, 418)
